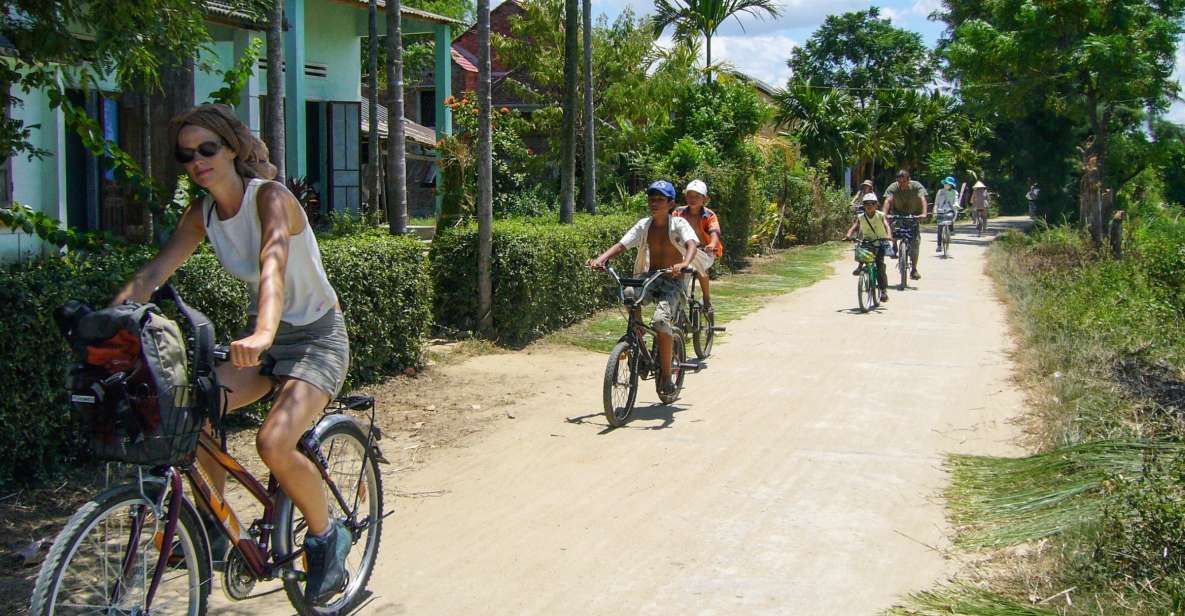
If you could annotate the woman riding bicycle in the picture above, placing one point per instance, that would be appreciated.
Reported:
(295, 341)
(946, 205)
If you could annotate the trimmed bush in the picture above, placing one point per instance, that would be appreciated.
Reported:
(382, 282)
(539, 278)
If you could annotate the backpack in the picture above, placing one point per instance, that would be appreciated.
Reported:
(141, 387)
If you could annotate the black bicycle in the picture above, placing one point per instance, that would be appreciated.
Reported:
(905, 230)
(701, 324)
(633, 360)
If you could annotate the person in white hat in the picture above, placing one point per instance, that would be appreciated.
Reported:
(979, 200)
(707, 229)
(873, 226)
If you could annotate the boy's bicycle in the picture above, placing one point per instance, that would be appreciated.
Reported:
(701, 324)
(632, 359)
(867, 293)
(905, 231)
(980, 219)
(141, 547)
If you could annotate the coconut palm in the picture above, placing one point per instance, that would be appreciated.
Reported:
(568, 145)
(590, 149)
(396, 132)
(819, 119)
(274, 133)
(693, 18)
(485, 208)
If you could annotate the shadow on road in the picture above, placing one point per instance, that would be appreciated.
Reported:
(664, 413)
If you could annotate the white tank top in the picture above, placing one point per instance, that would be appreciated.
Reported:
(236, 240)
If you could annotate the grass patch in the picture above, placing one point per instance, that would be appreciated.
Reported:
(734, 296)
(997, 502)
(964, 600)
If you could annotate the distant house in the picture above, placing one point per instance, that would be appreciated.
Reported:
(768, 95)
(324, 133)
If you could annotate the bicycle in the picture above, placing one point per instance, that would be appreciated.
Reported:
(905, 230)
(867, 293)
(946, 225)
(101, 560)
(701, 324)
(632, 360)
(980, 218)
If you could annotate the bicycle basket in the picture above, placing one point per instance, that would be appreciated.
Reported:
(132, 386)
(864, 255)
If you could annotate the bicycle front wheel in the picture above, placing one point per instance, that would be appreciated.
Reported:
(621, 384)
(903, 263)
(703, 325)
(103, 560)
(356, 475)
(862, 290)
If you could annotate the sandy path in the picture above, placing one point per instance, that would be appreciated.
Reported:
(798, 475)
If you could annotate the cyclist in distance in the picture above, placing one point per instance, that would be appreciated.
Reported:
(908, 197)
(979, 200)
(707, 229)
(663, 241)
(858, 198)
(295, 341)
(872, 225)
(946, 202)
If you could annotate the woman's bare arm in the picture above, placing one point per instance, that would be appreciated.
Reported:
(185, 239)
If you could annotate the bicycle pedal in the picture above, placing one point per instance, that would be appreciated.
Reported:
(692, 366)
(719, 329)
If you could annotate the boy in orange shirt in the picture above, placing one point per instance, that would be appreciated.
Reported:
(707, 229)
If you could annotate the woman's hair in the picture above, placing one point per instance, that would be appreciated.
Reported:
(251, 159)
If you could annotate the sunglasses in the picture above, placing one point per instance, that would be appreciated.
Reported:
(205, 149)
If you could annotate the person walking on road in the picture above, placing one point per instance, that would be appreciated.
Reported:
(908, 197)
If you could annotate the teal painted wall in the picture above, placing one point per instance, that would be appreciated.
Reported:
(332, 37)
(40, 182)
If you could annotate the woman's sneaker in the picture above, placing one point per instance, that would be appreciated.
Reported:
(327, 564)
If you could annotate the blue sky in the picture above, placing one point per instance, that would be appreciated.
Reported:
(760, 47)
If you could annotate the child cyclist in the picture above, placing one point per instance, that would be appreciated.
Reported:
(707, 229)
(873, 226)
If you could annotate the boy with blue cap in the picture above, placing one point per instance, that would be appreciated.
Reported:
(663, 241)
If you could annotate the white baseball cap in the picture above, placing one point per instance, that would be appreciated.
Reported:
(868, 196)
(698, 186)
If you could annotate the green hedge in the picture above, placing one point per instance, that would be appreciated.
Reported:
(540, 282)
(382, 281)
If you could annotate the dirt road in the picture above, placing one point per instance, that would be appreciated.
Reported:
(798, 475)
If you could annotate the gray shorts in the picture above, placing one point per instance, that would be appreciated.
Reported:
(317, 353)
(669, 295)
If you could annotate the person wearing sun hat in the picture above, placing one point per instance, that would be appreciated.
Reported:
(858, 198)
(946, 203)
(979, 199)
(707, 229)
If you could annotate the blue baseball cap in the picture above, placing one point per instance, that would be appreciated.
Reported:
(663, 188)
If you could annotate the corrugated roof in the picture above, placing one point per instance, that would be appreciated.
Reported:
(415, 133)
(230, 12)
(411, 13)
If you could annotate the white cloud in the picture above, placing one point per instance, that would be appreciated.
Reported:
(923, 8)
(762, 57)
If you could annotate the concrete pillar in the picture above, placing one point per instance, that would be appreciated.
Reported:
(295, 145)
(248, 109)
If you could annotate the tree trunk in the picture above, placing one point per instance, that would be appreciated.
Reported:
(568, 150)
(708, 57)
(396, 132)
(273, 134)
(590, 149)
(485, 198)
(374, 159)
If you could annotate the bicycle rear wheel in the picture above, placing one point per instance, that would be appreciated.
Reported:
(945, 241)
(621, 384)
(356, 475)
(88, 570)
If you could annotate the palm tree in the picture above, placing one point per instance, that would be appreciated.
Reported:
(568, 147)
(590, 150)
(396, 132)
(692, 18)
(274, 133)
(485, 208)
(819, 119)
(372, 98)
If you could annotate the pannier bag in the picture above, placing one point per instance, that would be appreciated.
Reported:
(142, 393)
